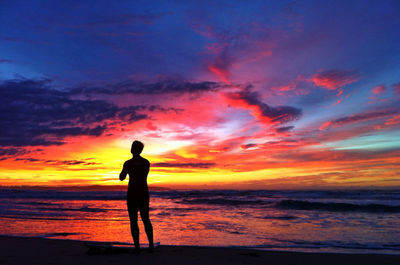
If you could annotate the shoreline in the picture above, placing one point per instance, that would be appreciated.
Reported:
(315, 250)
(34, 250)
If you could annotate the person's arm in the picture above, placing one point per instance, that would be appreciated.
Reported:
(123, 173)
(148, 168)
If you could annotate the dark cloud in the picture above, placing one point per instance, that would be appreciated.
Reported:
(184, 165)
(57, 162)
(29, 159)
(125, 19)
(34, 113)
(107, 26)
(162, 109)
(5, 61)
(363, 117)
(337, 155)
(11, 151)
(20, 39)
(247, 146)
(161, 87)
(130, 114)
(280, 114)
(6, 153)
(284, 129)
(286, 142)
(360, 117)
(70, 162)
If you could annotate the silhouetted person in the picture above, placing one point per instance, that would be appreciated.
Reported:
(138, 193)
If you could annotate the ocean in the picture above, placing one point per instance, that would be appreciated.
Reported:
(356, 221)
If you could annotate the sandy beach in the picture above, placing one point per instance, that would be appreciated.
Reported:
(17, 251)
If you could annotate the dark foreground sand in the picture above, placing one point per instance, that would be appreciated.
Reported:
(21, 251)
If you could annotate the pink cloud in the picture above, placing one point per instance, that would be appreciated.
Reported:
(334, 79)
(325, 125)
(151, 126)
(338, 102)
(396, 88)
(292, 87)
(289, 87)
(263, 112)
(232, 51)
(221, 72)
(379, 89)
(395, 120)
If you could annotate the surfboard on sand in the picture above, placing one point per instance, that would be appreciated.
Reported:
(113, 247)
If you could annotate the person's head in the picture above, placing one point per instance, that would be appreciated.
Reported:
(137, 147)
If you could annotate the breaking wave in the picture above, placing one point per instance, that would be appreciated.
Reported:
(337, 207)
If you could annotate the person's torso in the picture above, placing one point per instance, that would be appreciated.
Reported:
(138, 168)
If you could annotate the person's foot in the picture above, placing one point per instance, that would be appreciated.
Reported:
(151, 249)
(135, 251)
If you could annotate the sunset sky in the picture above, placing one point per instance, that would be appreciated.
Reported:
(229, 94)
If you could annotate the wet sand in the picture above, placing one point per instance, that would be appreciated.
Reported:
(20, 251)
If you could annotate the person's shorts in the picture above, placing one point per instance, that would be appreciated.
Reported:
(135, 205)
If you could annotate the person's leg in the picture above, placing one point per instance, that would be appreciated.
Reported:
(133, 217)
(144, 214)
